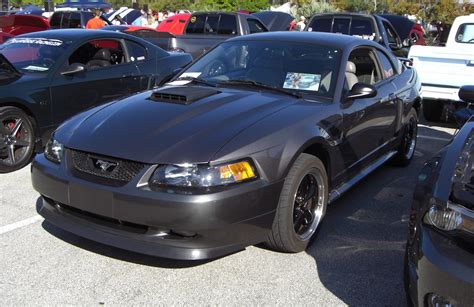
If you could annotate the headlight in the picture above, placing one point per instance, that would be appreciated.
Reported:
(203, 176)
(451, 218)
(53, 151)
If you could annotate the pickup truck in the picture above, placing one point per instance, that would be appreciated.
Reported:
(443, 70)
(206, 29)
(372, 27)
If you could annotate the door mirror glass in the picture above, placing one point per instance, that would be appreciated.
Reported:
(361, 90)
(73, 69)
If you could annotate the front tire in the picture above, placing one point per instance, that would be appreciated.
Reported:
(406, 151)
(432, 110)
(17, 139)
(301, 207)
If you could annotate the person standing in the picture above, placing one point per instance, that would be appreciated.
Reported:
(301, 24)
(96, 22)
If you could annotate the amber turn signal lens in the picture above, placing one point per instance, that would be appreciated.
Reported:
(239, 171)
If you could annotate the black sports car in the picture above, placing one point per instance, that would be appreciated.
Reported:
(439, 263)
(46, 77)
(233, 151)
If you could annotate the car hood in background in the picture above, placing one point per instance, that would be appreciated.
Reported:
(148, 130)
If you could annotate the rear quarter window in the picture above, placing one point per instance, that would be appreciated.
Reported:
(55, 20)
(465, 33)
(255, 26)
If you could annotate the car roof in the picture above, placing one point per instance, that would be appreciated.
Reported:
(72, 34)
(339, 41)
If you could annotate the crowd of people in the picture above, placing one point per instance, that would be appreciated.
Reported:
(149, 18)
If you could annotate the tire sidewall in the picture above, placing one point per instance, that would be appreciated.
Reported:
(294, 178)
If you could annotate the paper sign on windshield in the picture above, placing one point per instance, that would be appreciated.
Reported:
(302, 81)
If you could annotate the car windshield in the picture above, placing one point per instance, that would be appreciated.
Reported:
(303, 68)
(33, 54)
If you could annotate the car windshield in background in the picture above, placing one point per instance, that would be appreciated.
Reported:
(465, 33)
(33, 54)
(303, 68)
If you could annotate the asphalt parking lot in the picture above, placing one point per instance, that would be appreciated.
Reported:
(356, 258)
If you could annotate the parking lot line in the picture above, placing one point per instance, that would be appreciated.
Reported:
(23, 223)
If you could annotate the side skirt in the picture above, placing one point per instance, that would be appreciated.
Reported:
(336, 193)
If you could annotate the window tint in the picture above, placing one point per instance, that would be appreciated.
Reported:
(392, 36)
(361, 27)
(341, 25)
(212, 24)
(65, 20)
(75, 21)
(255, 26)
(321, 25)
(388, 70)
(465, 33)
(196, 24)
(55, 20)
(136, 52)
(227, 25)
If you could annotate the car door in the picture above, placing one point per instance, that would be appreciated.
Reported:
(366, 120)
(97, 84)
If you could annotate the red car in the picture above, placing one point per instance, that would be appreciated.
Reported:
(4, 36)
(21, 24)
(174, 24)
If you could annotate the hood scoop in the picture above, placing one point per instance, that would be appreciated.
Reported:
(182, 94)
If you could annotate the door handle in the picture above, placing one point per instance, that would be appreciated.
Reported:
(127, 74)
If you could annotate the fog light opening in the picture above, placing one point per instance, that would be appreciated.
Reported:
(435, 300)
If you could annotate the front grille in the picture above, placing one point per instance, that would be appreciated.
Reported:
(118, 173)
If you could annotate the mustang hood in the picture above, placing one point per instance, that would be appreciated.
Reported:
(7, 70)
(148, 130)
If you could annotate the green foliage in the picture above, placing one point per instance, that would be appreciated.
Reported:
(312, 7)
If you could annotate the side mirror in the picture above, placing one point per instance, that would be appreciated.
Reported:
(395, 46)
(73, 69)
(361, 90)
(466, 93)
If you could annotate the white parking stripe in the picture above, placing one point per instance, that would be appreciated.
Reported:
(433, 138)
(26, 222)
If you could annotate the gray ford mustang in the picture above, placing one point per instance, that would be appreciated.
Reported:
(248, 144)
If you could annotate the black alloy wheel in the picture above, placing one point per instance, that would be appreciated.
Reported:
(407, 147)
(307, 212)
(16, 139)
(302, 205)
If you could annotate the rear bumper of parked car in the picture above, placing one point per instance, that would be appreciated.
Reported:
(156, 223)
(439, 271)
(430, 92)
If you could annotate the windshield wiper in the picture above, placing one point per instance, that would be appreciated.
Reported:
(260, 85)
(196, 80)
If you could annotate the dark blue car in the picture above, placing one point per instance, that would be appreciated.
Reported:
(46, 77)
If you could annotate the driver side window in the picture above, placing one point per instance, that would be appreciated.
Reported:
(362, 68)
(97, 54)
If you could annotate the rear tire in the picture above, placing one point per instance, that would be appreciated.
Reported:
(406, 151)
(17, 139)
(301, 207)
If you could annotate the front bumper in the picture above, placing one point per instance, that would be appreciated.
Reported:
(437, 267)
(156, 223)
